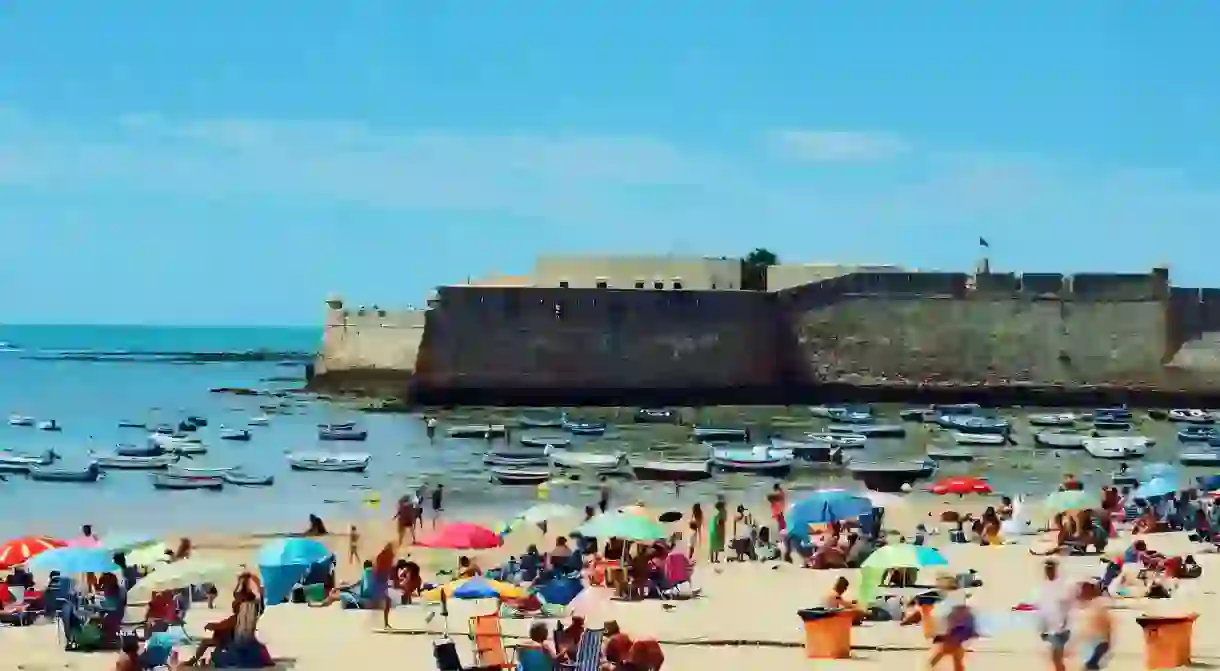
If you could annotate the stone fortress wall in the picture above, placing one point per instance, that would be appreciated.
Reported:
(501, 344)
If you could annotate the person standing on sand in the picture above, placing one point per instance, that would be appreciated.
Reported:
(405, 517)
(715, 539)
(1054, 609)
(603, 500)
(1097, 626)
(379, 590)
(437, 501)
(353, 545)
(953, 624)
(696, 528)
(778, 502)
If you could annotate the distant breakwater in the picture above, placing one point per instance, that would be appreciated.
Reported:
(181, 357)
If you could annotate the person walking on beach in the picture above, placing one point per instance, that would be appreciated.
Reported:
(715, 539)
(603, 501)
(379, 590)
(778, 502)
(696, 528)
(1054, 608)
(953, 624)
(353, 545)
(1097, 626)
(405, 517)
(438, 495)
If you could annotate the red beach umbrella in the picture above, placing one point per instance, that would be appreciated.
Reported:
(19, 550)
(960, 485)
(462, 536)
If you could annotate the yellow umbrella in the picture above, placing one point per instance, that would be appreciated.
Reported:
(148, 555)
(477, 587)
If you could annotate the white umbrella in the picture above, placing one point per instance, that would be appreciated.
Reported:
(182, 574)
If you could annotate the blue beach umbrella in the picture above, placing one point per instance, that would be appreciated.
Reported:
(825, 506)
(124, 543)
(292, 552)
(74, 560)
(1156, 488)
(1208, 482)
(1159, 470)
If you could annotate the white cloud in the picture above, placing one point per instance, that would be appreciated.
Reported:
(826, 146)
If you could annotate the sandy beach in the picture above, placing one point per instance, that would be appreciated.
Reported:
(745, 616)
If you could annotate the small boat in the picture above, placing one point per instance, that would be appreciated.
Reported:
(1158, 414)
(197, 420)
(519, 476)
(816, 453)
(1111, 425)
(49, 425)
(846, 441)
(20, 462)
(540, 421)
(477, 431)
(583, 428)
(957, 409)
(891, 476)
(671, 470)
(165, 481)
(656, 416)
(186, 427)
(132, 424)
(1116, 447)
(20, 420)
(962, 438)
(725, 434)
(234, 434)
(118, 461)
(164, 430)
(1056, 419)
(243, 479)
(198, 471)
(1210, 458)
(869, 430)
(588, 460)
(1123, 478)
(516, 458)
(1120, 413)
(261, 420)
(917, 415)
(1191, 416)
(149, 449)
(1062, 439)
(950, 454)
(758, 459)
(353, 462)
(87, 473)
(545, 441)
(974, 424)
(1196, 433)
(346, 431)
(177, 444)
(827, 411)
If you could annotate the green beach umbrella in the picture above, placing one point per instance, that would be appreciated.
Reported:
(539, 514)
(898, 556)
(1072, 499)
(627, 526)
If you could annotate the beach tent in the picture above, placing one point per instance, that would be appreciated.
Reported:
(282, 563)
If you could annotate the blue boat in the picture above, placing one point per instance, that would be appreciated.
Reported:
(1196, 434)
(346, 431)
(974, 424)
(583, 428)
(704, 434)
(149, 449)
(761, 460)
(1118, 414)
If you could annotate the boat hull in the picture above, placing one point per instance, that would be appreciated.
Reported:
(588, 462)
(117, 462)
(891, 477)
(1061, 441)
(774, 467)
(1199, 459)
(671, 471)
(655, 416)
(545, 441)
(90, 473)
(247, 480)
(477, 431)
(717, 434)
(511, 476)
(165, 481)
(950, 454)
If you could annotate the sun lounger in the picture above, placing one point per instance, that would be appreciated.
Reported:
(488, 641)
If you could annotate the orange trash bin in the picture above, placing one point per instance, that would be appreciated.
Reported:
(1167, 640)
(827, 632)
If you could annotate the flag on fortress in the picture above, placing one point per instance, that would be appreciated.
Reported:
(983, 242)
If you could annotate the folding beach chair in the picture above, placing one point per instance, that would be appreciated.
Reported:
(589, 650)
(488, 642)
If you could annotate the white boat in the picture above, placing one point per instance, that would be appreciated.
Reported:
(20, 462)
(809, 453)
(519, 476)
(1211, 458)
(517, 457)
(1063, 439)
(177, 444)
(671, 470)
(847, 441)
(198, 471)
(325, 461)
(49, 425)
(21, 420)
(1055, 419)
(234, 434)
(1191, 415)
(118, 461)
(261, 420)
(1116, 447)
(962, 438)
(545, 441)
(587, 460)
(761, 459)
(477, 431)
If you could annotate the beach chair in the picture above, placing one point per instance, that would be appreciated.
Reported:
(677, 571)
(533, 659)
(589, 651)
(488, 641)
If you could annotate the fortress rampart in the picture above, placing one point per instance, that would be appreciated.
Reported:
(1110, 334)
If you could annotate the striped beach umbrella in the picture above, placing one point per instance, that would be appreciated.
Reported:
(19, 550)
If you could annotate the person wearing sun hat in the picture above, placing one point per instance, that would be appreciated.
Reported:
(954, 624)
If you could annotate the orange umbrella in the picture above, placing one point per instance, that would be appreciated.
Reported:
(19, 550)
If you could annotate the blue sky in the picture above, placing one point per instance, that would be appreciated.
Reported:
(232, 162)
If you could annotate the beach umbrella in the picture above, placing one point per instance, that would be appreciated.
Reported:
(462, 536)
(292, 552)
(477, 587)
(148, 555)
(20, 550)
(960, 485)
(539, 515)
(592, 604)
(1159, 470)
(1072, 499)
(1208, 482)
(822, 507)
(71, 561)
(897, 556)
(124, 543)
(1155, 488)
(182, 574)
(627, 526)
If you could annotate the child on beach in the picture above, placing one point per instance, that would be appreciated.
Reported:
(353, 545)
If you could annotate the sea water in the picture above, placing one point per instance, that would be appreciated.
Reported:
(88, 378)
